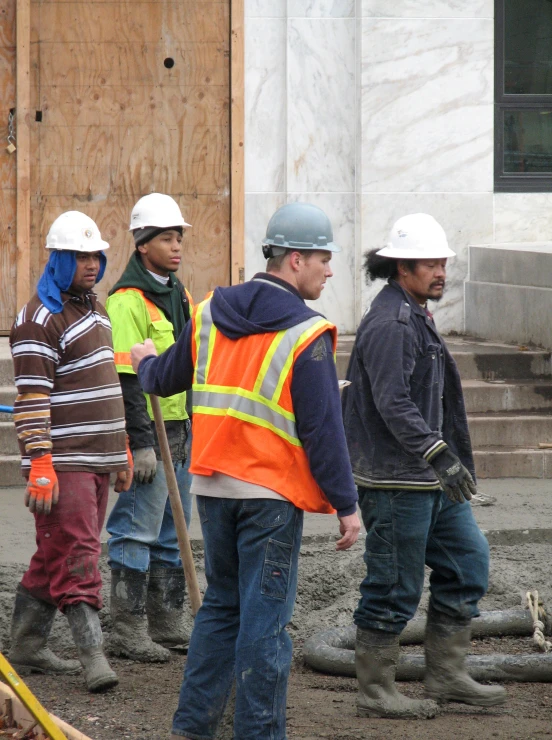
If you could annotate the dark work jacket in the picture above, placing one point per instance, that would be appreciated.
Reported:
(405, 396)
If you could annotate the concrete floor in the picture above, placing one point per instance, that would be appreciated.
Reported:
(522, 513)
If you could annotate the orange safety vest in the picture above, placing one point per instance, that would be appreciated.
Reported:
(243, 420)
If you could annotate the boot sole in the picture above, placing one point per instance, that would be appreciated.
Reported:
(27, 670)
(135, 657)
(374, 714)
(103, 684)
(444, 699)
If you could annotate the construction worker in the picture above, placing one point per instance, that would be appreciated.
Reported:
(69, 419)
(412, 460)
(147, 579)
(268, 444)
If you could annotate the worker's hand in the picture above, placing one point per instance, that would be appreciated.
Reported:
(145, 465)
(349, 527)
(454, 478)
(123, 481)
(139, 351)
(42, 487)
(124, 477)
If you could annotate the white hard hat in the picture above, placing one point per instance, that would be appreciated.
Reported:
(417, 236)
(77, 232)
(156, 209)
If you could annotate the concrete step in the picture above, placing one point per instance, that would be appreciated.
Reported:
(513, 463)
(8, 439)
(6, 364)
(478, 359)
(509, 430)
(500, 395)
(508, 293)
(7, 397)
(10, 471)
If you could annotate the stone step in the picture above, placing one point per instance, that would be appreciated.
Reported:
(478, 359)
(481, 396)
(513, 463)
(509, 430)
(7, 397)
(8, 439)
(10, 471)
(6, 364)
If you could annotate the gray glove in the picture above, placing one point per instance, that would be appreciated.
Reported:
(145, 464)
(454, 478)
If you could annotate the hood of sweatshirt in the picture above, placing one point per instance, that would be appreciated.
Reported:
(263, 304)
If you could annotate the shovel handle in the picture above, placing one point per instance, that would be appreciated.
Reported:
(176, 506)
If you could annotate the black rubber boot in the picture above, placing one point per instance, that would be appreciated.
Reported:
(447, 642)
(87, 634)
(31, 624)
(376, 658)
(129, 633)
(165, 608)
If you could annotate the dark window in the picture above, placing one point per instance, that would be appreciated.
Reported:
(523, 95)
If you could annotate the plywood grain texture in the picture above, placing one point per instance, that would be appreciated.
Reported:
(8, 236)
(237, 168)
(23, 133)
(118, 121)
(122, 98)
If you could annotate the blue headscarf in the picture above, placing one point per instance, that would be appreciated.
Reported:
(58, 276)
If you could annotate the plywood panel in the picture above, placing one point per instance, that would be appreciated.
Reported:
(8, 252)
(83, 64)
(8, 256)
(127, 105)
(133, 23)
(7, 23)
(191, 159)
(116, 124)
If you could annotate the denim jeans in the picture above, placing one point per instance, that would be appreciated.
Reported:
(251, 558)
(141, 524)
(405, 531)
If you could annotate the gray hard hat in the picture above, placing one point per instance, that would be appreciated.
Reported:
(298, 226)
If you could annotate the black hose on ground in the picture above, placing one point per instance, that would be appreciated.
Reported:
(332, 650)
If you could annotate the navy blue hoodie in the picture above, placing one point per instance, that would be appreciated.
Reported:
(268, 304)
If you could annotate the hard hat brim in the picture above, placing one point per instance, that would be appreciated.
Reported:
(300, 246)
(184, 225)
(438, 253)
(97, 247)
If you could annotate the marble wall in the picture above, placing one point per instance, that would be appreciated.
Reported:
(373, 109)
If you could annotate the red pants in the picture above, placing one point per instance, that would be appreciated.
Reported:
(64, 569)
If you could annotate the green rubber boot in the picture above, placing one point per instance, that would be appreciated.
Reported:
(31, 624)
(447, 642)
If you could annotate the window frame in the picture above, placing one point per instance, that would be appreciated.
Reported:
(508, 182)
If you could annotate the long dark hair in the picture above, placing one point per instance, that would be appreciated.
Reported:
(382, 268)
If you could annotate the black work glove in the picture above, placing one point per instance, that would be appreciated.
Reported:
(454, 478)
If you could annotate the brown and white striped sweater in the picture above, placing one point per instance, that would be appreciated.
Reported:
(69, 399)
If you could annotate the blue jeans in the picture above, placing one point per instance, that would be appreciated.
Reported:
(141, 523)
(405, 531)
(251, 558)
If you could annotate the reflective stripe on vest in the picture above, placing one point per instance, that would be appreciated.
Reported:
(154, 313)
(260, 405)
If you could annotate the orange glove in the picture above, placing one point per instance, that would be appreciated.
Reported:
(124, 477)
(42, 487)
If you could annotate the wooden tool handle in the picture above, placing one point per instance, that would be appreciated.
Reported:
(545, 445)
(176, 506)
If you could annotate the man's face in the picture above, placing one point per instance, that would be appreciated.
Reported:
(86, 274)
(314, 270)
(427, 281)
(163, 253)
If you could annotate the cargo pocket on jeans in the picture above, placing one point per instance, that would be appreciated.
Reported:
(276, 569)
(380, 556)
